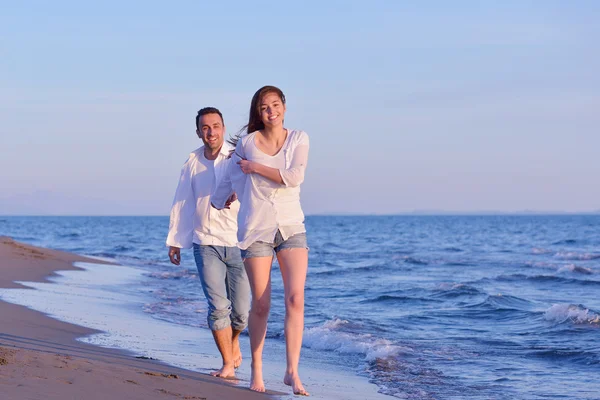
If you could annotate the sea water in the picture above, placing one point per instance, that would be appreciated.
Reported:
(412, 307)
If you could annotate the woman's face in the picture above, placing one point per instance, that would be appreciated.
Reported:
(272, 109)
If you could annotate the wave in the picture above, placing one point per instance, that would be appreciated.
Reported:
(576, 356)
(26, 239)
(181, 274)
(338, 270)
(114, 256)
(576, 314)
(331, 246)
(399, 371)
(566, 241)
(331, 337)
(105, 255)
(69, 235)
(386, 298)
(576, 269)
(547, 278)
(122, 249)
(570, 255)
(538, 250)
(415, 261)
(540, 264)
(567, 255)
(560, 267)
(507, 302)
(451, 289)
(453, 249)
(181, 311)
(458, 264)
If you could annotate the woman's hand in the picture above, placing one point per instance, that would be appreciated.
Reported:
(248, 167)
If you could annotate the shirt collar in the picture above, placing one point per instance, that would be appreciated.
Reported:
(226, 148)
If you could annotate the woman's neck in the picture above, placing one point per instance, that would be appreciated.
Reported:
(274, 133)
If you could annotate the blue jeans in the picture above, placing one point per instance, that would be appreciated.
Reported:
(225, 285)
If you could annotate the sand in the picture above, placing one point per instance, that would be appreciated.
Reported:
(40, 357)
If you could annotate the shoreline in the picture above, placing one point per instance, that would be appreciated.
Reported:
(40, 357)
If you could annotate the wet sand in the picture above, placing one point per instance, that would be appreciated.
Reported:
(40, 357)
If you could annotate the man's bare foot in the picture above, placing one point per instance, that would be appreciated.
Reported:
(256, 380)
(226, 372)
(293, 380)
(237, 354)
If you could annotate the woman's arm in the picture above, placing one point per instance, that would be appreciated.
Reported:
(290, 177)
(252, 167)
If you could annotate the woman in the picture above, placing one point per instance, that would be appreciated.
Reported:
(269, 167)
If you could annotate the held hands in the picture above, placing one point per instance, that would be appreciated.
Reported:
(175, 255)
(248, 167)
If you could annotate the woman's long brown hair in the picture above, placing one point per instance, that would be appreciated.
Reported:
(254, 120)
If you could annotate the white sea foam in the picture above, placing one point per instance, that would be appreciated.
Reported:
(540, 264)
(570, 255)
(446, 286)
(575, 268)
(538, 250)
(330, 336)
(571, 312)
(184, 273)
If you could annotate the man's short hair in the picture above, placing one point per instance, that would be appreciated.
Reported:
(208, 110)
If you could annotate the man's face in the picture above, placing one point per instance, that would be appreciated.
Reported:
(211, 130)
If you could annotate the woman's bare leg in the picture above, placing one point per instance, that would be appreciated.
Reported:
(294, 265)
(259, 276)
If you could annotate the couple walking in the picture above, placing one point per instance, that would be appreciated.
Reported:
(237, 204)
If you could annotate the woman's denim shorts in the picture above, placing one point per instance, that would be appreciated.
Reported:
(265, 249)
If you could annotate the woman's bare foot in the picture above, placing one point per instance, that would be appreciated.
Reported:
(237, 354)
(226, 372)
(293, 380)
(256, 379)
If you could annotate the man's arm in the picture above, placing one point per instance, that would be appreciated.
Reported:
(181, 223)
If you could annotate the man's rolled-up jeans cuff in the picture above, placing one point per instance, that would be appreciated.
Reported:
(218, 320)
(239, 323)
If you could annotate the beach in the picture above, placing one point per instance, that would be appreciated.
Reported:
(40, 357)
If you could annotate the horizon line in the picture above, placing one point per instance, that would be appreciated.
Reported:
(352, 214)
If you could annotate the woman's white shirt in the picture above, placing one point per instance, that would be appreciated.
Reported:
(266, 206)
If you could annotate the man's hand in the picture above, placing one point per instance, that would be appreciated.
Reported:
(230, 200)
(175, 255)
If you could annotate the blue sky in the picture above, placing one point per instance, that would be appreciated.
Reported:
(448, 106)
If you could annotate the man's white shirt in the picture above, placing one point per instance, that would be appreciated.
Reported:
(193, 220)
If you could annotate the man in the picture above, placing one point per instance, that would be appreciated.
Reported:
(213, 235)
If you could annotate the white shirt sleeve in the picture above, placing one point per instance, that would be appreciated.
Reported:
(181, 224)
(294, 175)
(224, 188)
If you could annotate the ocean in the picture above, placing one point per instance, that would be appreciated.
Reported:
(409, 307)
